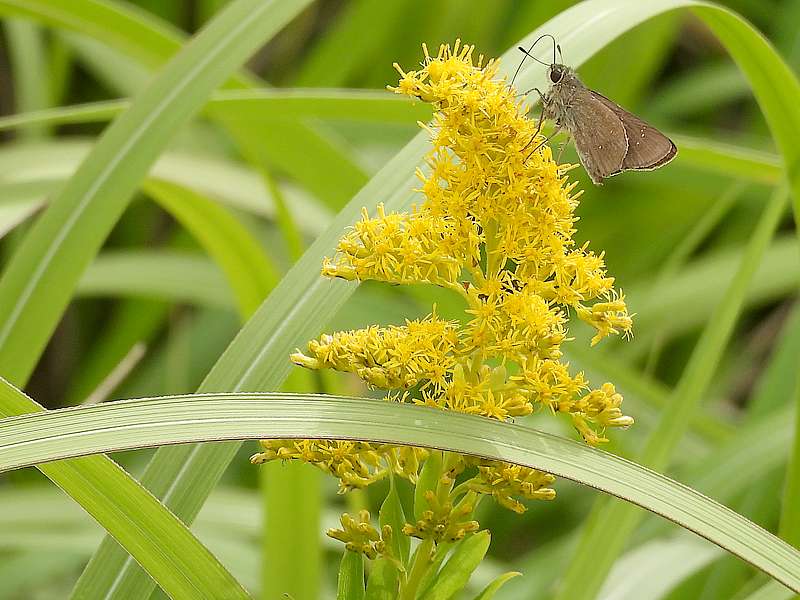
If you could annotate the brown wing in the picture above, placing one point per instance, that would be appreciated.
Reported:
(599, 135)
(648, 148)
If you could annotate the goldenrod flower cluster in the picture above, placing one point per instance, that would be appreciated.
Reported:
(360, 536)
(443, 522)
(496, 227)
(355, 464)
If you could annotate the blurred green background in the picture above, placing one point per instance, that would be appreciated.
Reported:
(154, 311)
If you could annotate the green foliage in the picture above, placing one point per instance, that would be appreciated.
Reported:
(154, 191)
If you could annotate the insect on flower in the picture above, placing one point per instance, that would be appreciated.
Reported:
(608, 138)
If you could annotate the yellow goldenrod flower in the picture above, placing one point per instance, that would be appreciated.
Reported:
(495, 227)
(443, 522)
(391, 357)
(504, 481)
(360, 536)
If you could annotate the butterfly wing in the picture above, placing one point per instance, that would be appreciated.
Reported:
(648, 148)
(599, 135)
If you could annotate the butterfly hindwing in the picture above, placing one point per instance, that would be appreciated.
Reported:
(648, 148)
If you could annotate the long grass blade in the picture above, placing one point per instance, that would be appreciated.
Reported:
(67, 433)
(256, 104)
(159, 542)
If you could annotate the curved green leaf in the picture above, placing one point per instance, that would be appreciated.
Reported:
(36, 171)
(658, 567)
(490, 590)
(242, 259)
(609, 525)
(161, 543)
(351, 577)
(157, 274)
(47, 436)
(255, 104)
(455, 573)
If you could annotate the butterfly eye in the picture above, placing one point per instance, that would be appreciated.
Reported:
(555, 74)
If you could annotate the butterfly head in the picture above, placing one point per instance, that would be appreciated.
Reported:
(557, 73)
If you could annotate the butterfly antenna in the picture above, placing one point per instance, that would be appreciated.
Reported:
(561, 56)
(528, 54)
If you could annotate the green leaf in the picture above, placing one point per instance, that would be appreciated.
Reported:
(723, 475)
(456, 572)
(771, 591)
(609, 525)
(490, 590)
(71, 230)
(246, 267)
(428, 480)
(658, 566)
(252, 105)
(383, 581)
(38, 171)
(26, 53)
(155, 538)
(351, 577)
(391, 514)
(157, 274)
(54, 435)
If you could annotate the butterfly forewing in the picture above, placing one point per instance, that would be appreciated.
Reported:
(599, 135)
(648, 148)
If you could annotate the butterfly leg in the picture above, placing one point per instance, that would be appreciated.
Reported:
(543, 102)
(543, 142)
(540, 122)
(561, 148)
